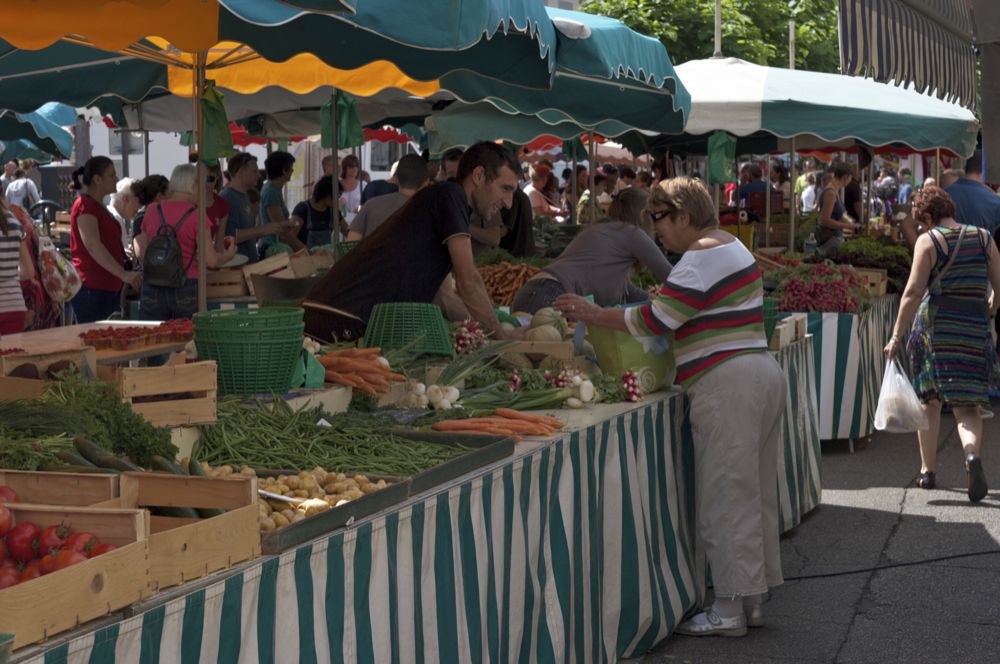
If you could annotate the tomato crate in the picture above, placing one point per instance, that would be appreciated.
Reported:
(46, 488)
(87, 590)
(182, 549)
(225, 283)
(172, 395)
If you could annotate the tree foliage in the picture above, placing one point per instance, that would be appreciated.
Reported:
(754, 30)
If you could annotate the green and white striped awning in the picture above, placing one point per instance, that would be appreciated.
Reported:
(925, 42)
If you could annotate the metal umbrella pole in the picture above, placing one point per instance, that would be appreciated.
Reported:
(336, 162)
(576, 193)
(199, 129)
(592, 155)
(767, 204)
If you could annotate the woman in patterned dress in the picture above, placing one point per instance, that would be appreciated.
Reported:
(950, 346)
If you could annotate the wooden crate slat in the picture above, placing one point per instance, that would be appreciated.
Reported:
(179, 412)
(119, 525)
(195, 550)
(60, 488)
(171, 379)
(162, 490)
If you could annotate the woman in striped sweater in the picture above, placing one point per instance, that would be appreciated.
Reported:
(711, 307)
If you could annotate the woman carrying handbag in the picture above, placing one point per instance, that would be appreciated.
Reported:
(950, 347)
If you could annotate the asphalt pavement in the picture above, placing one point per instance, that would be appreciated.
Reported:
(874, 518)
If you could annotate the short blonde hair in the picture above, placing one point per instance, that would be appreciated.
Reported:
(686, 195)
(183, 179)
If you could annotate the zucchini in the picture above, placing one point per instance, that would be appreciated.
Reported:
(71, 468)
(166, 465)
(198, 471)
(72, 458)
(181, 512)
(89, 450)
(108, 460)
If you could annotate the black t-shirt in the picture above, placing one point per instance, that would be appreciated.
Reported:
(853, 196)
(405, 260)
(378, 188)
(313, 219)
(520, 238)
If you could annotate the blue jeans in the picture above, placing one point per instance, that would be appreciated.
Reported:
(537, 294)
(91, 305)
(159, 303)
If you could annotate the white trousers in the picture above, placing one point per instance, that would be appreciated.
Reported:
(736, 412)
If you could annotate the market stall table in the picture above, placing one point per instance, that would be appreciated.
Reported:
(63, 338)
(580, 547)
(849, 365)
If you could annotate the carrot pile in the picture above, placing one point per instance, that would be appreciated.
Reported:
(361, 368)
(503, 422)
(503, 280)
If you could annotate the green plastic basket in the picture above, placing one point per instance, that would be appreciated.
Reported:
(255, 350)
(770, 316)
(344, 247)
(395, 325)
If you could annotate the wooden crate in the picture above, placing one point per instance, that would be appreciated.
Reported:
(43, 488)
(304, 264)
(84, 591)
(875, 280)
(84, 358)
(278, 265)
(226, 283)
(184, 549)
(783, 335)
(13, 389)
(188, 391)
(778, 236)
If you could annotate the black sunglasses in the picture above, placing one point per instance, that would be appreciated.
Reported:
(656, 216)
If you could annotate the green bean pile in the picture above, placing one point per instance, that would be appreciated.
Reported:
(257, 436)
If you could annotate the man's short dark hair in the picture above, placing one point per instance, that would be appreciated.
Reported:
(610, 169)
(974, 164)
(627, 172)
(454, 154)
(490, 156)
(237, 162)
(277, 163)
(411, 171)
(323, 188)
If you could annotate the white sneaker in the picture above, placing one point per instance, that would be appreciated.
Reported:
(709, 623)
(754, 614)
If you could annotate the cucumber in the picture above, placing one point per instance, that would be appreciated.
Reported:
(89, 450)
(108, 460)
(167, 466)
(195, 468)
(181, 512)
(72, 458)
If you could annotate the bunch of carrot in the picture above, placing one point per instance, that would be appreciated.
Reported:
(361, 368)
(503, 422)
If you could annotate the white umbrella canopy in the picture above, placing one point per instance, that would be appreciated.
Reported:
(742, 98)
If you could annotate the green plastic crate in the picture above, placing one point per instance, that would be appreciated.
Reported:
(344, 247)
(255, 350)
(395, 325)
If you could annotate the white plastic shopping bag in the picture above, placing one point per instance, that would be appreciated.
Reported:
(899, 409)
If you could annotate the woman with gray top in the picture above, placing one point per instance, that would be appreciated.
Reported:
(598, 260)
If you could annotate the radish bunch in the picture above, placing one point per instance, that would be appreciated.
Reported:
(630, 381)
(469, 337)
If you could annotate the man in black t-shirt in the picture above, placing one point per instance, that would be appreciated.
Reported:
(409, 256)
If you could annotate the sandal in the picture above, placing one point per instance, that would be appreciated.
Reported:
(927, 480)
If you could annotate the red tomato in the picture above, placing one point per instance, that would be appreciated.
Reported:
(8, 563)
(6, 519)
(66, 558)
(48, 563)
(81, 542)
(7, 494)
(51, 538)
(228, 241)
(9, 578)
(102, 548)
(32, 570)
(22, 541)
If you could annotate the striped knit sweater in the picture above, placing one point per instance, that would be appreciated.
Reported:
(713, 302)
